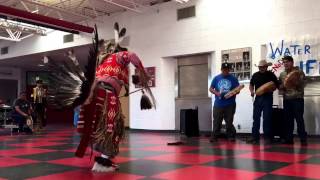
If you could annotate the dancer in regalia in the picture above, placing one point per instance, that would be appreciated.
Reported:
(101, 122)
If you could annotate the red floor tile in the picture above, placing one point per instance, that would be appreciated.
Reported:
(185, 158)
(75, 161)
(87, 174)
(23, 151)
(273, 156)
(209, 173)
(9, 161)
(300, 170)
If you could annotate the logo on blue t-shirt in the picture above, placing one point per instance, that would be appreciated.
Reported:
(224, 85)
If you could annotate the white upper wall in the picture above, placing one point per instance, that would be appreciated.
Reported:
(218, 25)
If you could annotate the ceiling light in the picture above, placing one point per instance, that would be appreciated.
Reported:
(182, 1)
(45, 60)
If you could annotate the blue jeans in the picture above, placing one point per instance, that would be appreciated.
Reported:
(294, 109)
(262, 104)
(20, 120)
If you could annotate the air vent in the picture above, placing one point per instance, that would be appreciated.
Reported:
(68, 38)
(4, 50)
(186, 12)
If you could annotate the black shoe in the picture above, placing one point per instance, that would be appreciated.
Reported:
(304, 142)
(253, 141)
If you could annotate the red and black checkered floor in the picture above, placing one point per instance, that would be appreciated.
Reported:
(145, 155)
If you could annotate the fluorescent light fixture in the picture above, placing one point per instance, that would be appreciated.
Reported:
(45, 60)
(182, 1)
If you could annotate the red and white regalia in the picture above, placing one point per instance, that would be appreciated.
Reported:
(101, 122)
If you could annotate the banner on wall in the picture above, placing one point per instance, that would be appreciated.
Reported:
(305, 52)
(306, 55)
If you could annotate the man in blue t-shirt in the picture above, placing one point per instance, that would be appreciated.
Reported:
(223, 108)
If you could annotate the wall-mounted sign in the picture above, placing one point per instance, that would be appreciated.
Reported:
(305, 53)
(240, 60)
(152, 73)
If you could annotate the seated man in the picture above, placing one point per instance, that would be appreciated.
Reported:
(21, 110)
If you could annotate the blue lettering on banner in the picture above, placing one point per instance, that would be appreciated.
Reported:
(306, 49)
(291, 50)
(309, 65)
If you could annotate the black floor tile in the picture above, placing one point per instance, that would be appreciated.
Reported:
(148, 167)
(292, 150)
(33, 170)
(5, 146)
(278, 177)
(248, 164)
(216, 151)
(312, 160)
(140, 154)
(48, 156)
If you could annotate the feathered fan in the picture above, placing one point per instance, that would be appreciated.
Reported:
(69, 86)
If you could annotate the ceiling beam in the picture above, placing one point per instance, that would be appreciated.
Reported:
(16, 31)
(58, 9)
(123, 6)
(44, 21)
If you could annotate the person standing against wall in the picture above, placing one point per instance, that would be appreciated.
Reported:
(292, 81)
(39, 99)
(224, 108)
(262, 102)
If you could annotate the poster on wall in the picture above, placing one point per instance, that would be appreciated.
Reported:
(152, 73)
(305, 52)
(240, 60)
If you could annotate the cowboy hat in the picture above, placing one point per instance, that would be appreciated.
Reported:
(263, 63)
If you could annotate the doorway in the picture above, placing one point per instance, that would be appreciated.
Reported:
(8, 90)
